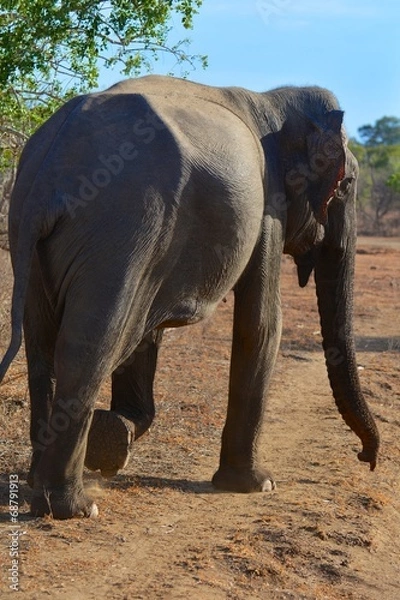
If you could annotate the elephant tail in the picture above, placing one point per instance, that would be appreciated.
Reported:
(29, 235)
(37, 217)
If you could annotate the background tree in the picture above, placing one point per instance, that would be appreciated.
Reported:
(394, 181)
(379, 183)
(386, 131)
(50, 50)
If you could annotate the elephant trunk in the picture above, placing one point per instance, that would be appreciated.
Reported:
(334, 273)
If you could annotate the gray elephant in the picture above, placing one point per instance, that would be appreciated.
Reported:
(139, 208)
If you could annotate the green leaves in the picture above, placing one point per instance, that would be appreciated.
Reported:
(393, 181)
(73, 37)
(52, 49)
(386, 131)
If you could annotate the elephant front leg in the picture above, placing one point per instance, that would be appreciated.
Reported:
(132, 411)
(256, 337)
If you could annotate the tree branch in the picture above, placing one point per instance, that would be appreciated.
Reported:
(11, 131)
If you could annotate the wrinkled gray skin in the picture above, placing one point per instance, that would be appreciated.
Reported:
(139, 208)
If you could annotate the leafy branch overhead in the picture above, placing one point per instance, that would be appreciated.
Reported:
(74, 37)
(51, 50)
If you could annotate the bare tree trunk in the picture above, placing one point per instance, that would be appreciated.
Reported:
(12, 142)
(6, 187)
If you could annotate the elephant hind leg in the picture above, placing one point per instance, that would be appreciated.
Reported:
(40, 331)
(110, 442)
(58, 488)
(132, 410)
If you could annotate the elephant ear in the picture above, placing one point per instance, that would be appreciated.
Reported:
(327, 158)
(333, 121)
(328, 123)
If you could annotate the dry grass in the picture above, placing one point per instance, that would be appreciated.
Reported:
(330, 531)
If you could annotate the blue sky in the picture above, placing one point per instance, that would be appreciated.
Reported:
(349, 46)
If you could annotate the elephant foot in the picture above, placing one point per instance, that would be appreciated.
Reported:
(109, 442)
(243, 480)
(62, 504)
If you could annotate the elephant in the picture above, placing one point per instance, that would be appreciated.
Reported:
(139, 208)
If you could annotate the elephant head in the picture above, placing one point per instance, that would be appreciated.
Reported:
(320, 176)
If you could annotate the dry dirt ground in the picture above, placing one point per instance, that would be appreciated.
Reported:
(331, 530)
